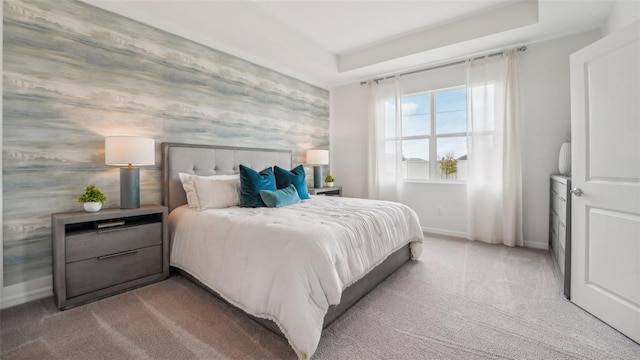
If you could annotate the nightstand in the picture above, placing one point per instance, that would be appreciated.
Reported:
(329, 191)
(99, 254)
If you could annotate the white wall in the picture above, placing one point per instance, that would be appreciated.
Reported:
(622, 13)
(441, 207)
(545, 103)
(546, 120)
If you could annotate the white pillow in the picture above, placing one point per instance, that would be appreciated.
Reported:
(189, 189)
(217, 193)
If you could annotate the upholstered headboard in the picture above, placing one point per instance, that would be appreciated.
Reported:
(210, 160)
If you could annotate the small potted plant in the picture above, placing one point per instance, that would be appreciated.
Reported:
(93, 198)
(449, 166)
(329, 180)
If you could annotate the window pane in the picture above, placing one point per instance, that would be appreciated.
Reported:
(415, 169)
(451, 111)
(415, 149)
(451, 100)
(415, 159)
(452, 145)
(416, 115)
(451, 122)
(416, 104)
(416, 125)
(453, 151)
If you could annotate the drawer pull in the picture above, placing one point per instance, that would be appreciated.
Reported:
(112, 229)
(118, 254)
(109, 224)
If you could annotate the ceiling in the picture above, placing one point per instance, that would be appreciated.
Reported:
(332, 43)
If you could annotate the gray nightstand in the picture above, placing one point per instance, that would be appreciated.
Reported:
(329, 191)
(99, 254)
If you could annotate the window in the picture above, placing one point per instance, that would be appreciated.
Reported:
(433, 129)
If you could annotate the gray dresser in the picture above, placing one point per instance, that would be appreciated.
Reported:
(560, 228)
(100, 254)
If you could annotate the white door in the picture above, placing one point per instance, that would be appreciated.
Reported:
(605, 130)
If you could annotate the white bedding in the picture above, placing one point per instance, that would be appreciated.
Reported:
(289, 264)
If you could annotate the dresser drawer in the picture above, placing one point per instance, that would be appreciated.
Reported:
(555, 204)
(560, 189)
(562, 234)
(101, 272)
(554, 224)
(561, 259)
(112, 240)
(562, 210)
(560, 227)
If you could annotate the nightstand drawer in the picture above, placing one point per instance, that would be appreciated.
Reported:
(101, 272)
(328, 191)
(112, 240)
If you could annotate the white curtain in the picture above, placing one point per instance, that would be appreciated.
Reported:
(494, 183)
(385, 149)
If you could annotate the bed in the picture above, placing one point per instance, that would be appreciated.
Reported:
(294, 269)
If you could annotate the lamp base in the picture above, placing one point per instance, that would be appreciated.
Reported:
(129, 188)
(317, 176)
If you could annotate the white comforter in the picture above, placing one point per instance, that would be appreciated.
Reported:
(289, 264)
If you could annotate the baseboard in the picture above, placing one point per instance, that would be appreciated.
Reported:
(463, 235)
(457, 234)
(26, 291)
(536, 245)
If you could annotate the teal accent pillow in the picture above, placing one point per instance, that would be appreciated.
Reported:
(281, 197)
(296, 176)
(251, 182)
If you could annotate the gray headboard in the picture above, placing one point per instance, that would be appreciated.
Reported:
(210, 160)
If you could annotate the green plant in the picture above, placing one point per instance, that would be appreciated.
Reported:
(329, 178)
(92, 194)
(448, 165)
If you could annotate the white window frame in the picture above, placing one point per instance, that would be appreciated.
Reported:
(432, 137)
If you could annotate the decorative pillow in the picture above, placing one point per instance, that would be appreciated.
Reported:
(281, 197)
(251, 182)
(217, 193)
(296, 176)
(189, 189)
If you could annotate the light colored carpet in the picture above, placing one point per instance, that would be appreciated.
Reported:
(462, 300)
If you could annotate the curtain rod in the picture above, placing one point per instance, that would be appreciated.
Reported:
(520, 49)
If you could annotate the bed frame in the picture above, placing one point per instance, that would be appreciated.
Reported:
(211, 160)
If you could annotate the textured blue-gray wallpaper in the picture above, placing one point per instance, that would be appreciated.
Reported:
(74, 74)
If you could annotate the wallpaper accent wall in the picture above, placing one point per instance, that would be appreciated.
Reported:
(74, 74)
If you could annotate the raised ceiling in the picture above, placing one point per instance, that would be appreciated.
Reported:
(331, 43)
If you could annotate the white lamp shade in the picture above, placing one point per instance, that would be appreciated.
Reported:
(318, 157)
(125, 150)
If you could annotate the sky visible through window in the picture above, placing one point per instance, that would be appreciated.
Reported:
(416, 115)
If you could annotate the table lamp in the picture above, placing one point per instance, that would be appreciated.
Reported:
(317, 158)
(129, 151)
